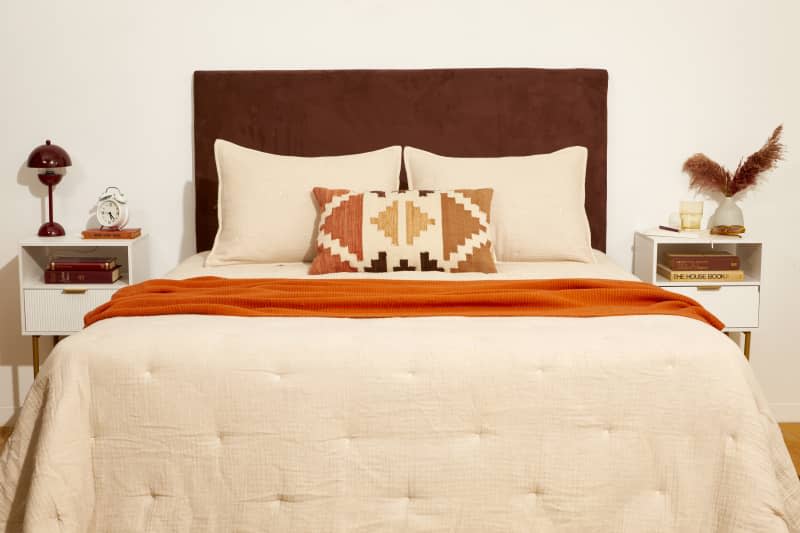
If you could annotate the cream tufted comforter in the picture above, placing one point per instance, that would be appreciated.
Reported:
(197, 423)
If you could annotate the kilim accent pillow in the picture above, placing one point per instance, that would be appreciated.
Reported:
(446, 231)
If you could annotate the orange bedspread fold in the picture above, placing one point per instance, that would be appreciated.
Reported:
(381, 298)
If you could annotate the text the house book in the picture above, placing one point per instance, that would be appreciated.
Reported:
(700, 275)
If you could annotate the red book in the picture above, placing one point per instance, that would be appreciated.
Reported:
(82, 276)
(127, 233)
(83, 263)
(703, 261)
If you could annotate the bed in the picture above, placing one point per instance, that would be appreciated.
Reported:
(188, 422)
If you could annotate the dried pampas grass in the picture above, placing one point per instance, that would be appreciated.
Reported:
(707, 176)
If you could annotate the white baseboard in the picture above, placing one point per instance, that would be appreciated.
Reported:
(786, 412)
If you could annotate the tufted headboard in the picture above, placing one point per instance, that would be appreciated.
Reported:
(456, 112)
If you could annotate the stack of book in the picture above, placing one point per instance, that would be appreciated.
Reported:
(103, 233)
(708, 266)
(82, 270)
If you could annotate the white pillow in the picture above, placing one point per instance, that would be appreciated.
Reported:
(266, 207)
(538, 212)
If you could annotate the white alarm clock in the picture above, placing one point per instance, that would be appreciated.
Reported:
(112, 209)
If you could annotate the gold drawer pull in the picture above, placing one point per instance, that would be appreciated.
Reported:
(73, 291)
(709, 287)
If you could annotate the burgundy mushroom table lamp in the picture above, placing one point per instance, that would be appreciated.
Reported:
(50, 159)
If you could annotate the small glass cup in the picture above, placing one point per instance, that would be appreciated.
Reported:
(691, 215)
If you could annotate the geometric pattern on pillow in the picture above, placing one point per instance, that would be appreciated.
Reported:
(377, 231)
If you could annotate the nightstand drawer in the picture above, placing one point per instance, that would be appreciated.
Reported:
(736, 306)
(62, 309)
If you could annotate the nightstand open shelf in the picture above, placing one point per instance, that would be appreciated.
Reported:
(57, 309)
(121, 282)
(661, 281)
(736, 303)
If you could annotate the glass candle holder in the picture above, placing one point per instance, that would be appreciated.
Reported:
(691, 212)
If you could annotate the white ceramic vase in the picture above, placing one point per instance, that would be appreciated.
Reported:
(728, 213)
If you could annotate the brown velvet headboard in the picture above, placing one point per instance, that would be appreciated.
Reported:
(456, 112)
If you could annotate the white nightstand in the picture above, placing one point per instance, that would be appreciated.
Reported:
(735, 303)
(58, 309)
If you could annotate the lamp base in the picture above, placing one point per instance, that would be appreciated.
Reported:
(51, 229)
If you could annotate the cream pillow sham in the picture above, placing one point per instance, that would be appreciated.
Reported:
(538, 212)
(266, 208)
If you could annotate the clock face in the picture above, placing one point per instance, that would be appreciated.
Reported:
(108, 213)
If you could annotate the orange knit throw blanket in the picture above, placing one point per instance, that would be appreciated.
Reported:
(376, 298)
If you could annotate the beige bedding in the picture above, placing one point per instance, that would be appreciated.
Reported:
(602, 268)
(200, 423)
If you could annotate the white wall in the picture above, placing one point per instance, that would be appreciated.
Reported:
(111, 82)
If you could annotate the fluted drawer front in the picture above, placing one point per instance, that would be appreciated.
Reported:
(59, 310)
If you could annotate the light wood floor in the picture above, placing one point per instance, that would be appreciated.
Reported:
(791, 434)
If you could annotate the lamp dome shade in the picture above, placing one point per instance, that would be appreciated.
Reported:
(49, 155)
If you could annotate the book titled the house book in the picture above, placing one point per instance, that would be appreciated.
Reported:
(703, 261)
(83, 263)
(700, 275)
(82, 276)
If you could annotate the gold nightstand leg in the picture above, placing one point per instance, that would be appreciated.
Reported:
(747, 344)
(35, 342)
